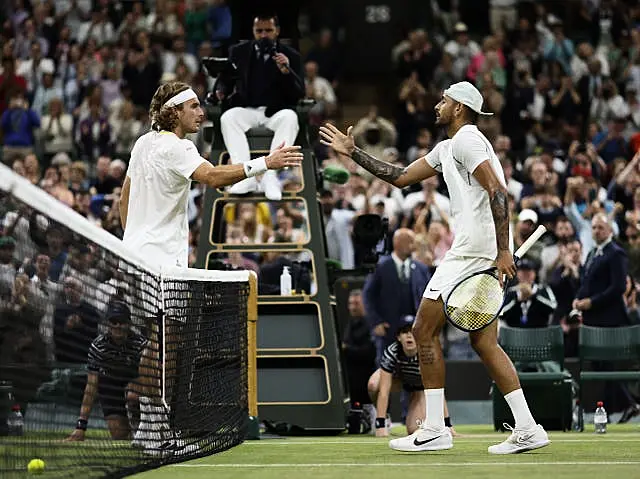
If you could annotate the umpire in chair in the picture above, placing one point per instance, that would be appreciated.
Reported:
(262, 88)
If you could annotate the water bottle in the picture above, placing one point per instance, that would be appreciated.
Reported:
(600, 419)
(15, 422)
(285, 282)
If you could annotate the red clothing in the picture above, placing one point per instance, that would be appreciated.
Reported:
(8, 85)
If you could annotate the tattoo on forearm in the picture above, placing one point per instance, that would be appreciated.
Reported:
(383, 170)
(500, 211)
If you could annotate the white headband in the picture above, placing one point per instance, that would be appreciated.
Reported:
(181, 97)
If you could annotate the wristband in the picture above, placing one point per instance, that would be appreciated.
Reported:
(255, 167)
(447, 422)
(381, 422)
(82, 424)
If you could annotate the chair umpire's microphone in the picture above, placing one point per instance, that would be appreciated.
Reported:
(335, 174)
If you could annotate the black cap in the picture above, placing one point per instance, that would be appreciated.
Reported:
(526, 263)
(118, 312)
(405, 325)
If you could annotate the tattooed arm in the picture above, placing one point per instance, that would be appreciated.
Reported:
(500, 210)
(396, 175)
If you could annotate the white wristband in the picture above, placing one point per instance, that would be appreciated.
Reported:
(255, 167)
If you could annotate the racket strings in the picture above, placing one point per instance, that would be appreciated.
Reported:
(475, 302)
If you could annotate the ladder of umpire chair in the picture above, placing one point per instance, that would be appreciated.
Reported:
(299, 372)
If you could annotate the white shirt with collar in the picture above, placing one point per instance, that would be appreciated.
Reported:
(400, 264)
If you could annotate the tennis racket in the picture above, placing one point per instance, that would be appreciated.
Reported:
(476, 301)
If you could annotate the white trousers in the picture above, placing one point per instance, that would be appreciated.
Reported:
(235, 122)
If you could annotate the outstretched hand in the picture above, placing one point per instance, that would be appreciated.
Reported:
(76, 435)
(284, 156)
(341, 143)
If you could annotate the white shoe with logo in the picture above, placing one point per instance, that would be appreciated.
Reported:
(424, 439)
(522, 440)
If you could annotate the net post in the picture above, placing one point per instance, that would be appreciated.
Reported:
(252, 361)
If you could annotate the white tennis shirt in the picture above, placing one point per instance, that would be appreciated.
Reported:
(471, 217)
(160, 172)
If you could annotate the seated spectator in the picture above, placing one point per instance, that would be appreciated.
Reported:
(526, 225)
(32, 168)
(75, 323)
(337, 226)
(57, 130)
(18, 126)
(33, 68)
(422, 145)
(117, 170)
(220, 24)
(269, 86)
(489, 47)
(94, 133)
(327, 55)
(610, 143)
(98, 27)
(111, 87)
(78, 178)
(528, 304)
(514, 187)
(558, 47)
(177, 53)
(550, 257)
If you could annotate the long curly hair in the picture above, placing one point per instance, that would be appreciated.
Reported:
(165, 117)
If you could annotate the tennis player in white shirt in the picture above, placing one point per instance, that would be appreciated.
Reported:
(480, 218)
(153, 210)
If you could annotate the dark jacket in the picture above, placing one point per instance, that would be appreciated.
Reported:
(533, 313)
(604, 281)
(283, 91)
(382, 299)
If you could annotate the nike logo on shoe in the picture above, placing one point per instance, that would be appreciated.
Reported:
(422, 443)
(523, 438)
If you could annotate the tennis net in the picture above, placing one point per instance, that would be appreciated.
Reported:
(109, 366)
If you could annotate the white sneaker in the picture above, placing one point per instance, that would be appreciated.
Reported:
(248, 185)
(271, 186)
(521, 440)
(171, 447)
(424, 439)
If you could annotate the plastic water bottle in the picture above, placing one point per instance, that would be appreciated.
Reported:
(285, 282)
(15, 422)
(600, 419)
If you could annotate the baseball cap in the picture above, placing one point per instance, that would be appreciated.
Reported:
(529, 264)
(118, 312)
(405, 325)
(7, 242)
(528, 215)
(460, 27)
(465, 93)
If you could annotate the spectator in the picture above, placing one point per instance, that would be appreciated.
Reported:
(94, 133)
(564, 281)
(57, 130)
(337, 226)
(32, 168)
(269, 86)
(461, 50)
(195, 22)
(142, 75)
(503, 15)
(550, 256)
(358, 349)
(320, 90)
(18, 125)
(10, 83)
(327, 55)
(528, 304)
(33, 68)
(177, 53)
(53, 184)
(527, 224)
(394, 290)
(103, 183)
(45, 92)
(8, 265)
(126, 129)
(374, 133)
(558, 47)
(56, 251)
(490, 48)
(98, 27)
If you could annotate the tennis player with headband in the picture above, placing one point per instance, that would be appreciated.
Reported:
(480, 216)
(153, 210)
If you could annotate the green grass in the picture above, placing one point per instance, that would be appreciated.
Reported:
(570, 455)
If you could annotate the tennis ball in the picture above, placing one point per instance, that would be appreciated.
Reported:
(35, 466)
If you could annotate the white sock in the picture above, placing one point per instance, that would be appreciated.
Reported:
(435, 408)
(520, 409)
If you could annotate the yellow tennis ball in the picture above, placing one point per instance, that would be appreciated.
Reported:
(35, 466)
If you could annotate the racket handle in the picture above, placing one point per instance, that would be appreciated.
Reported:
(535, 236)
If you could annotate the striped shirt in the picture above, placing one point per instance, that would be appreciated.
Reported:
(118, 361)
(396, 362)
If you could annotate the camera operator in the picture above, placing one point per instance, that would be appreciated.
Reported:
(268, 85)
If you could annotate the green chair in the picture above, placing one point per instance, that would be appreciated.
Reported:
(538, 355)
(617, 345)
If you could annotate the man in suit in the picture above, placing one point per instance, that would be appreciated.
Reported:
(394, 290)
(600, 296)
(268, 84)
(600, 299)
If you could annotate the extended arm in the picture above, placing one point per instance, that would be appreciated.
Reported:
(396, 175)
(384, 388)
(90, 392)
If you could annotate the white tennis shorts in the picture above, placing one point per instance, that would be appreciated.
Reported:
(451, 271)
